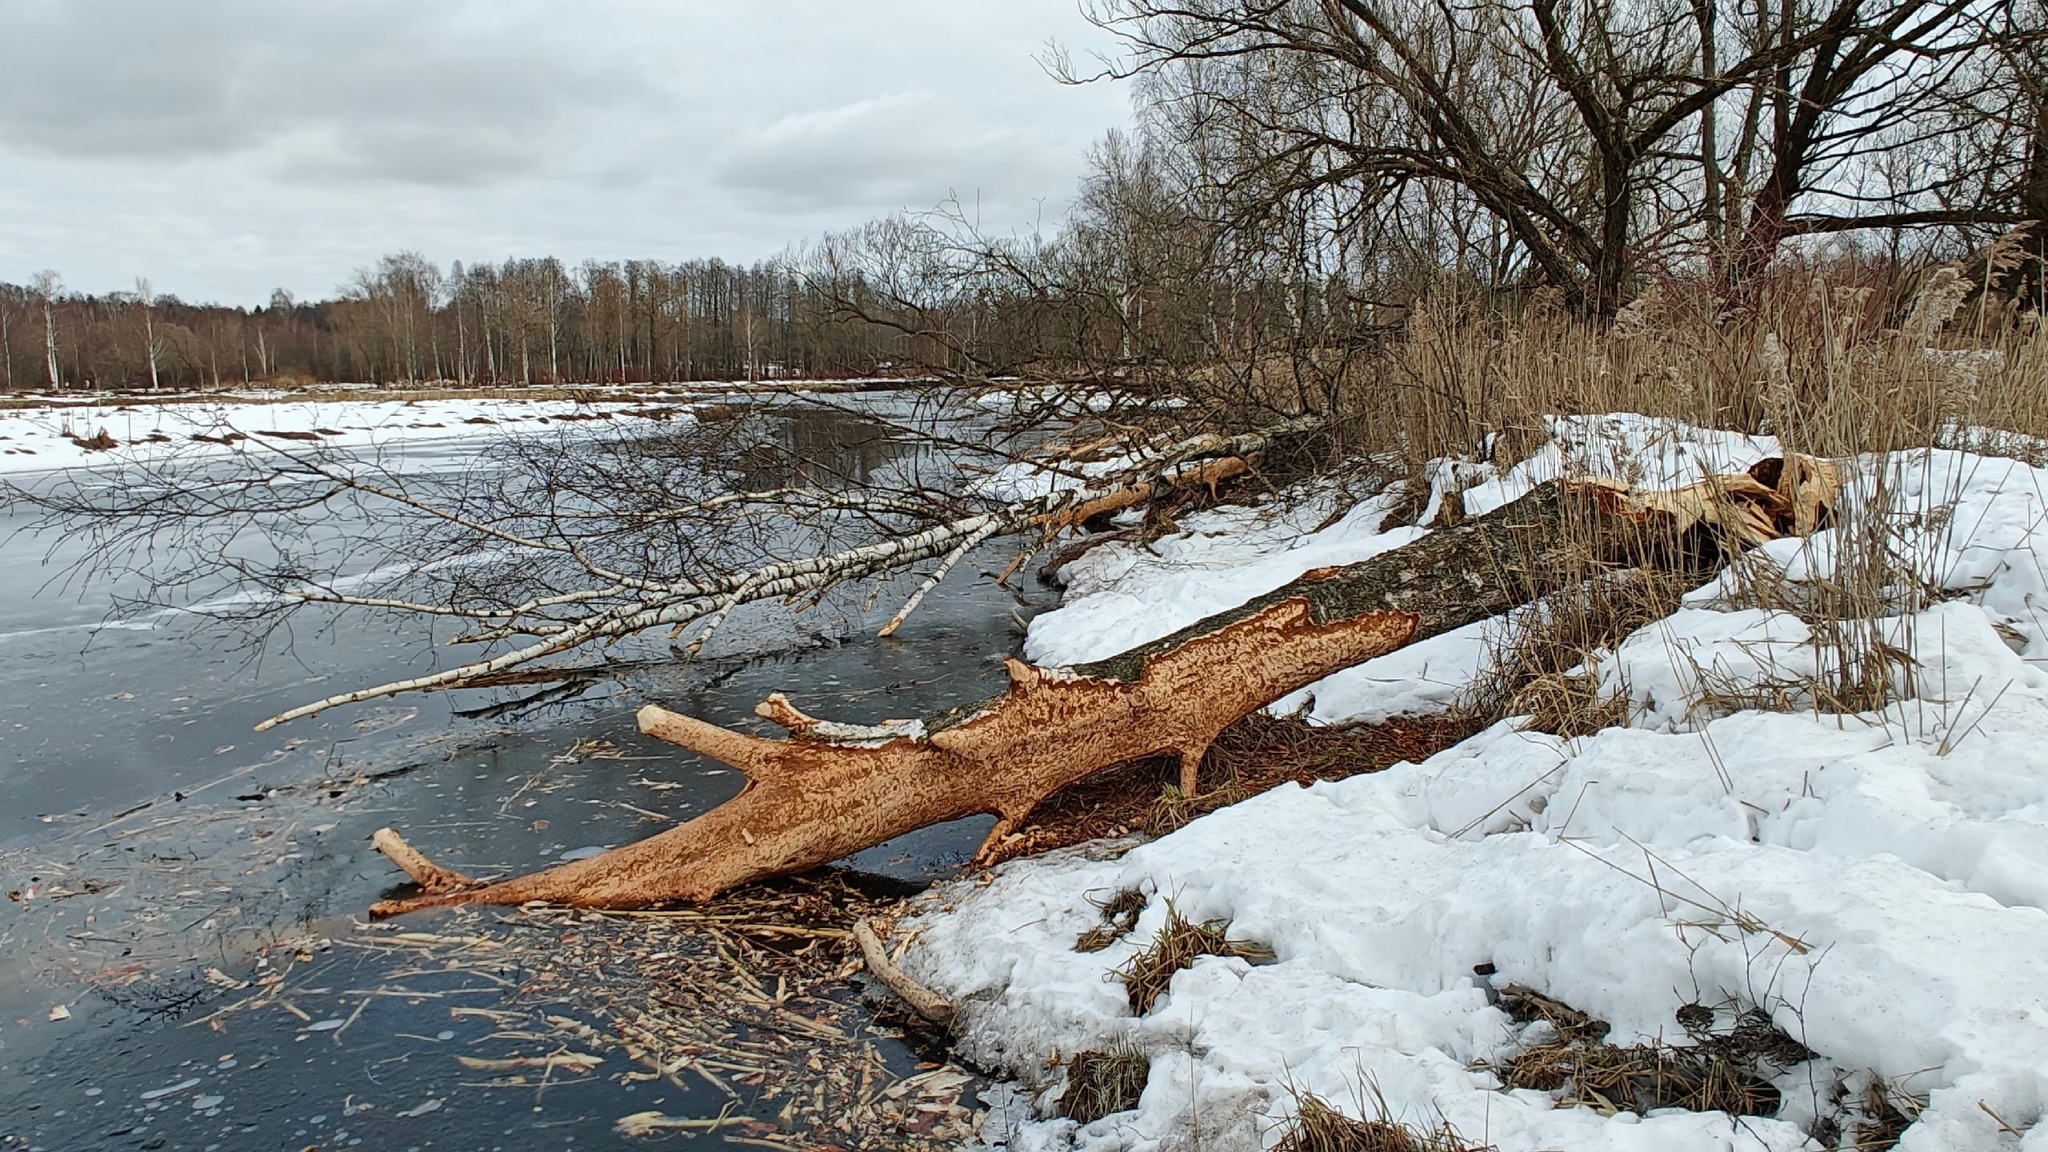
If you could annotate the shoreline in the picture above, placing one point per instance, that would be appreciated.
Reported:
(1865, 884)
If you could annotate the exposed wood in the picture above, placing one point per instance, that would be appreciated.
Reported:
(423, 871)
(832, 789)
(1208, 474)
(922, 1000)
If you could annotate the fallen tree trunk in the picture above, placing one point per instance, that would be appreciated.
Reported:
(832, 789)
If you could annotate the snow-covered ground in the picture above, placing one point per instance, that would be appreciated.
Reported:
(1878, 883)
(57, 436)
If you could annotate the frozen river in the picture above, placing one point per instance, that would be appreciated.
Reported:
(163, 859)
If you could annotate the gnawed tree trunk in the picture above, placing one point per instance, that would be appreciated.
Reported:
(833, 789)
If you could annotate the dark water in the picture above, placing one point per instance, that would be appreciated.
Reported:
(158, 852)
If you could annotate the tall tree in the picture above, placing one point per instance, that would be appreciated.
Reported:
(45, 285)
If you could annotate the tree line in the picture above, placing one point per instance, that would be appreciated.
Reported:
(407, 320)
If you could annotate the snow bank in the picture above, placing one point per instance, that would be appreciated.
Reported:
(48, 438)
(1878, 883)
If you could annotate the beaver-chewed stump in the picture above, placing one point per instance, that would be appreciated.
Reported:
(829, 789)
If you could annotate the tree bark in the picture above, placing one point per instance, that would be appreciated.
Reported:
(832, 789)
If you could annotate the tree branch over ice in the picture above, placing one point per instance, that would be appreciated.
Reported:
(543, 547)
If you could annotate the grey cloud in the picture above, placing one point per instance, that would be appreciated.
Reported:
(372, 88)
(97, 78)
(881, 152)
(225, 147)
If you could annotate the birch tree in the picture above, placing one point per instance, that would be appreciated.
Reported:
(45, 285)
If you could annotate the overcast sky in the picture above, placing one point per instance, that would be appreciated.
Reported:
(224, 148)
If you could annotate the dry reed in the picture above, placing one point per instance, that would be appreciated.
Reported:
(1318, 1127)
(1178, 945)
(1842, 360)
(1120, 913)
(1103, 1081)
(1541, 660)
(1835, 360)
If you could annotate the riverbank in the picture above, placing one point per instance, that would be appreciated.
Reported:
(1844, 907)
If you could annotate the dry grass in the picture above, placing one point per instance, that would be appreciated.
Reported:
(1103, 1081)
(1173, 811)
(1178, 945)
(1720, 1071)
(1537, 665)
(1318, 1127)
(1642, 1077)
(1835, 359)
(1119, 915)
(1568, 705)
(1859, 664)
(1888, 1112)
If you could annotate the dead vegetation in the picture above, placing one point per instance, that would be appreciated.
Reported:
(1854, 660)
(1174, 810)
(1543, 661)
(1318, 1127)
(1179, 943)
(1642, 1077)
(1120, 913)
(1887, 1113)
(1104, 1081)
(1720, 1070)
(1833, 358)
(746, 1003)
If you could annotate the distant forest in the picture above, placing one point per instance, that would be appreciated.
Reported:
(531, 321)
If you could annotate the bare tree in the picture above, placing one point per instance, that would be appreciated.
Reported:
(45, 284)
(152, 346)
(1587, 134)
(7, 311)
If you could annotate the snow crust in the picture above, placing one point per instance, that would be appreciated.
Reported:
(1877, 882)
